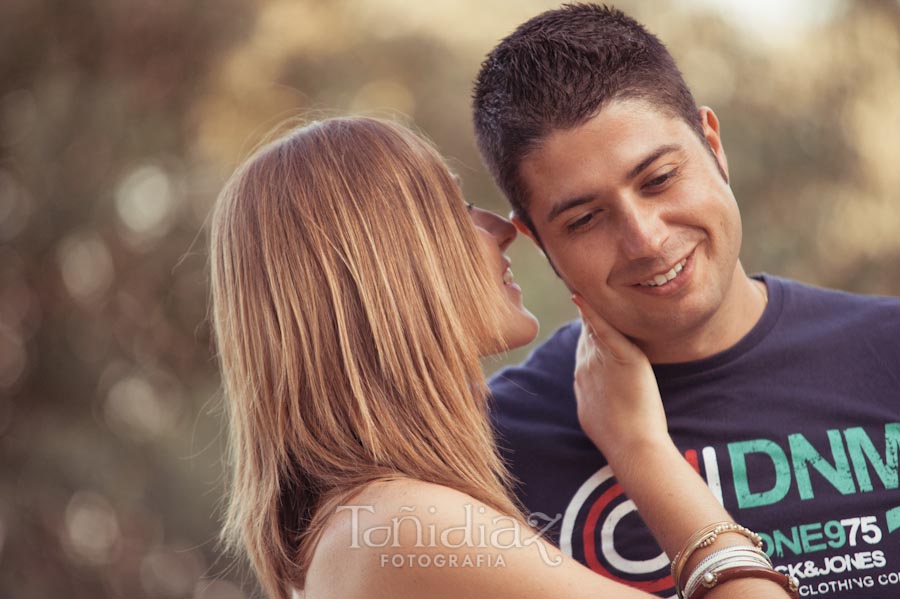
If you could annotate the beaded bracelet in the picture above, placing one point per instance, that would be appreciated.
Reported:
(790, 584)
(704, 538)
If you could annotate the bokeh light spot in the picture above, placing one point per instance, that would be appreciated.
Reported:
(168, 572)
(135, 409)
(86, 266)
(92, 528)
(145, 202)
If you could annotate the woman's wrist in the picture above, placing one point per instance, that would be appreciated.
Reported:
(637, 450)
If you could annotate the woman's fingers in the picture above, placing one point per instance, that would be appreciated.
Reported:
(605, 336)
(618, 402)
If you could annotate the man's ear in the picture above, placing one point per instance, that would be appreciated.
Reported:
(524, 229)
(710, 123)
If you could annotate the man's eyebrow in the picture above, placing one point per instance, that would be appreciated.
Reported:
(584, 199)
(651, 158)
(568, 205)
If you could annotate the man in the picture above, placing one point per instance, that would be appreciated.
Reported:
(785, 397)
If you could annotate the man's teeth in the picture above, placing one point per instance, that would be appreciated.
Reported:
(665, 278)
(507, 277)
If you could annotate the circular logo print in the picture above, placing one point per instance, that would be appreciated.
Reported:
(601, 528)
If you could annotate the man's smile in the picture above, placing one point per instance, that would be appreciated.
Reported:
(668, 280)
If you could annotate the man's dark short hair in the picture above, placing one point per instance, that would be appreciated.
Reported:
(557, 71)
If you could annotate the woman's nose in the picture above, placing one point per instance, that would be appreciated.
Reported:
(505, 232)
(501, 229)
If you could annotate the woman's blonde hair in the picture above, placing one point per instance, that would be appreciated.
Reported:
(350, 300)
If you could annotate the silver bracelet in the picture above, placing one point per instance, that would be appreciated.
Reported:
(711, 566)
(734, 549)
(713, 561)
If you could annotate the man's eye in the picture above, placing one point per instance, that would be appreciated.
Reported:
(581, 222)
(660, 180)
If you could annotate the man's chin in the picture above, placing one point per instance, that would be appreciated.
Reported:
(654, 325)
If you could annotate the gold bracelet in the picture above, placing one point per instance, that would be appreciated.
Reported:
(705, 537)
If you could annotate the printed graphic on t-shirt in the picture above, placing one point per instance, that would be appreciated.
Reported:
(838, 546)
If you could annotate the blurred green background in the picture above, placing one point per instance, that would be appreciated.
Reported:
(121, 119)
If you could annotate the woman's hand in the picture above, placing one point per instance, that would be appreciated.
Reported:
(619, 406)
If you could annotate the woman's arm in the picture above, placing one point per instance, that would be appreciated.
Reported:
(620, 409)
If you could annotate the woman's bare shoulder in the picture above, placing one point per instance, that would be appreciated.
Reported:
(381, 503)
(410, 538)
(382, 520)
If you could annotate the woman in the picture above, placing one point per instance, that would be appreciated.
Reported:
(354, 292)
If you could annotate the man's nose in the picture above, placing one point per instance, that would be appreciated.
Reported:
(643, 230)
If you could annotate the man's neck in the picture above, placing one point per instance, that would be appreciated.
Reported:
(741, 309)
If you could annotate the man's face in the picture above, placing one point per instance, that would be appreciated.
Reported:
(627, 201)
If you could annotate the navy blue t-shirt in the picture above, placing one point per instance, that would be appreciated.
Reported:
(796, 429)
